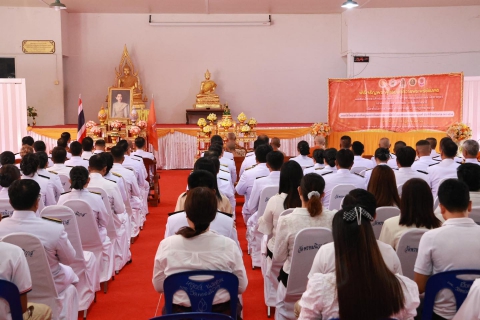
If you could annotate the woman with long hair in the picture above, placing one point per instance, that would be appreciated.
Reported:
(311, 214)
(383, 186)
(303, 159)
(416, 211)
(79, 179)
(29, 167)
(8, 174)
(329, 157)
(380, 158)
(361, 286)
(197, 248)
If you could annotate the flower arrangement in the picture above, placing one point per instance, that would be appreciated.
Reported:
(116, 125)
(252, 122)
(134, 130)
(96, 130)
(32, 113)
(142, 124)
(245, 128)
(320, 129)
(212, 117)
(459, 132)
(242, 117)
(90, 124)
(226, 123)
(207, 129)
(201, 122)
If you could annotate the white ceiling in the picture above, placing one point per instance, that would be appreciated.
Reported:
(229, 6)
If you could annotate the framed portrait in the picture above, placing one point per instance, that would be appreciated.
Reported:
(120, 102)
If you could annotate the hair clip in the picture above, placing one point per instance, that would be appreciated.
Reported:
(313, 194)
(357, 213)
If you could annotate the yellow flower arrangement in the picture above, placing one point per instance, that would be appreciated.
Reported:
(459, 132)
(320, 129)
(226, 123)
(252, 122)
(242, 117)
(245, 128)
(207, 129)
(212, 117)
(201, 122)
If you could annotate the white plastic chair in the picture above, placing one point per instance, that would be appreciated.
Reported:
(65, 180)
(475, 215)
(382, 214)
(307, 243)
(116, 231)
(338, 193)
(85, 265)
(63, 305)
(358, 170)
(469, 308)
(90, 237)
(436, 202)
(407, 250)
(6, 209)
(399, 188)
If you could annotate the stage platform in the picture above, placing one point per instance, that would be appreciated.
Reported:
(178, 142)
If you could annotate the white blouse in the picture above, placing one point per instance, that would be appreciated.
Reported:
(303, 161)
(207, 251)
(267, 224)
(287, 228)
(320, 299)
(392, 231)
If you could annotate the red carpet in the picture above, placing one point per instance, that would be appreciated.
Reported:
(131, 294)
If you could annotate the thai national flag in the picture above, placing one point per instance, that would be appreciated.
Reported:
(81, 129)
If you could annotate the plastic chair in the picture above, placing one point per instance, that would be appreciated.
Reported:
(194, 316)
(475, 215)
(399, 188)
(307, 243)
(382, 214)
(9, 292)
(447, 280)
(201, 292)
(338, 193)
(469, 308)
(358, 170)
(436, 202)
(407, 250)
(65, 180)
(6, 209)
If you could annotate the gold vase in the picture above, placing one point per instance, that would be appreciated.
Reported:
(102, 115)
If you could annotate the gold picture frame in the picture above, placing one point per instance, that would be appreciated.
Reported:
(120, 111)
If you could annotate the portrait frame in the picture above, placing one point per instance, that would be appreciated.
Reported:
(127, 97)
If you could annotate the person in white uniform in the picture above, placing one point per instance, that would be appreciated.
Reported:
(76, 159)
(329, 157)
(318, 160)
(453, 246)
(344, 163)
(385, 144)
(59, 156)
(358, 161)
(226, 165)
(87, 147)
(345, 142)
(405, 160)
(7, 157)
(224, 184)
(8, 174)
(196, 247)
(423, 150)
(99, 146)
(222, 224)
(114, 177)
(42, 158)
(24, 198)
(341, 292)
(303, 159)
(79, 179)
(62, 143)
(447, 168)
(250, 159)
(140, 146)
(324, 261)
(470, 151)
(29, 167)
(470, 174)
(433, 145)
(26, 141)
(39, 146)
(382, 155)
(245, 184)
(14, 269)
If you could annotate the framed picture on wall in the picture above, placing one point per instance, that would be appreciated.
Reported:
(120, 101)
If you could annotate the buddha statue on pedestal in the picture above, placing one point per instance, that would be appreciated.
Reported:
(130, 81)
(207, 98)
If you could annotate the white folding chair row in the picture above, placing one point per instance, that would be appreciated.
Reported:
(399, 188)
(407, 250)
(382, 214)
(85, 265)
(338, 193)
(65, 180)
(64, 305)
(6, 209)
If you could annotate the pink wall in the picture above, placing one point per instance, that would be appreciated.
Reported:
(276, 73)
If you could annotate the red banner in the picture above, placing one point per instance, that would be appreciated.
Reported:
(399, 104)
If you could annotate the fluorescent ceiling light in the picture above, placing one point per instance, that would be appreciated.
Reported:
(210, 20)
(349, 4)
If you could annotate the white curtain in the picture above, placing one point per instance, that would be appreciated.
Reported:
(13, 114)
(471, 104)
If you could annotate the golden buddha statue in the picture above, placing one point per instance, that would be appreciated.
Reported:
(130, 81)
(207, 98)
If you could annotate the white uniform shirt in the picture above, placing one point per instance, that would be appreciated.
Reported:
(132, 183)
(250, 160)
(13, 268)
(143, 154)
(368, 174)
(324, 261)
(358, 161)
(112, 190)
(228, 155)
(230, 165)
(46, 189)
(267, 224)
(423, 163)
(119, 181)
(98, 151)
(86, 155)
(392, 231)
(303, 161)
(207, 251)
(343, 176)
(222, 224)
(287, 228)
(392, 162)
(472, 160)
(402, 175)
(446, 169)
(325, 169)
(320, 301)
(314, 169)
(273, 179)
(225, 186)
(453, 246)
(245, 184)
(96, 203)
(60, 168)
(139, 170)
(77, 161)
(434, 153)
(58, 249)
(55, 180)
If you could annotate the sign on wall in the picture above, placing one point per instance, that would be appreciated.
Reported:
(38, 46)
(399, 104)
